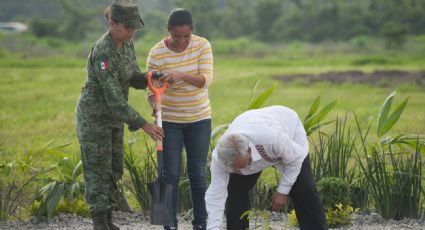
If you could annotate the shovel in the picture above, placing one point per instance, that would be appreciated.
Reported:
(160, 193)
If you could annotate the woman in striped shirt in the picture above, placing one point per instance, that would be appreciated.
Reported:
(187, 62)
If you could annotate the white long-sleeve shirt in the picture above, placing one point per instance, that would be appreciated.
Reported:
(276, 137)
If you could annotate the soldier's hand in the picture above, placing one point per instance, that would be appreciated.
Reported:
(154, 115)
(278, 201)
(151, 100)
(154, 131)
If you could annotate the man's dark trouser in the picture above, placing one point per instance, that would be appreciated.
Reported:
(304, 195)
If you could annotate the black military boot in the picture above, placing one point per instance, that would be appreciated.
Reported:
(111, 225)
(99, 221)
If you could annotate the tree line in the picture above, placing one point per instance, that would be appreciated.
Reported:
(265, 20)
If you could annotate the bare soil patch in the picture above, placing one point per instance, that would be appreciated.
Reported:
(382, 78)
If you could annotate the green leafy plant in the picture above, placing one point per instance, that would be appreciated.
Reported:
(340, 215)
(261, 194)
(78, 206)
(394, 181)
(64, 182)
(313, 119)
(386, 120)
(292, 219)
(392, 168)
(255, 103)
(337, 216)
(256, 215)
(17, 178)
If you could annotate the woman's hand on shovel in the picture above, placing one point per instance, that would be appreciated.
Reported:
(154, 131)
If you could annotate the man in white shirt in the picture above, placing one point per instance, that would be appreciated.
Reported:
(257, 139)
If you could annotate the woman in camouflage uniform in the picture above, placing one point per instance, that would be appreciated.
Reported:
(103, 109)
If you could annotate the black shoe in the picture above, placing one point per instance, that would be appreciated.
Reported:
(99, 221)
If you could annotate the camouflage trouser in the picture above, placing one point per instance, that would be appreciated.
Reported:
(102, 155)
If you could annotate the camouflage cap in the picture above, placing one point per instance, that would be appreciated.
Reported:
(127, 13)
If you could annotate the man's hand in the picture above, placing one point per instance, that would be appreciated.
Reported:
(278, 201)
(154, 131)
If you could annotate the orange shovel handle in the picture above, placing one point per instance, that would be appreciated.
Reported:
(157, 93)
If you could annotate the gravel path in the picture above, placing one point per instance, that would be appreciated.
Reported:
(129, 221)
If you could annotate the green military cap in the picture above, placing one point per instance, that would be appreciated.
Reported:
(127, 13)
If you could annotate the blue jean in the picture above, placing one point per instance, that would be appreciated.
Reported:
(195, 138)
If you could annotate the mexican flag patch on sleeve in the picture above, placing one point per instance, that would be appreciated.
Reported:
(104, 65)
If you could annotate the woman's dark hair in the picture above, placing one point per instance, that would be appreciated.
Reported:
(180, 17)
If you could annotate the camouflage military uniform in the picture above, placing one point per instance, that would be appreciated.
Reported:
(101, 111)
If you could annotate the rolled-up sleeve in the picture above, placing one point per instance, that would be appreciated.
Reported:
(152, 65)
(216, 195)
(293, 152)
(206, 63)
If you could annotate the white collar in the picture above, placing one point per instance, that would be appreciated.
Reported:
(255, 155)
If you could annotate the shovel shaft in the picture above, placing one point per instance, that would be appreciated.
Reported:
(158, 122)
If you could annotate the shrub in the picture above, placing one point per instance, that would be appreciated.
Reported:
(394, 34)
(78, 206)
(333, 191)
(340, 215)
(336, 216)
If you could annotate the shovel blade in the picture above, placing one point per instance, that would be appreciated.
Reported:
(161, 207)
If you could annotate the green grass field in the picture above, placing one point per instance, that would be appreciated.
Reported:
(38, 95)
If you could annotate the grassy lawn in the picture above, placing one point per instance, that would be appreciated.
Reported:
(38, 96)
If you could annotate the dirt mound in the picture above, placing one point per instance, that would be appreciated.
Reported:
(377, 78)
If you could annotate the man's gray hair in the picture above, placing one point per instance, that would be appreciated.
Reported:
(231, 146)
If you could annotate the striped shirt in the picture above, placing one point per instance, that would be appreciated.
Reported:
(181, 101)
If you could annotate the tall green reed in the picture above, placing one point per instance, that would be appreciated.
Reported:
(394, 180)
(142, 171)
(332, 154)
(392, 167)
